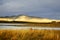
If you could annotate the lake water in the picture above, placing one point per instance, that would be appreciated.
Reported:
(5, 26)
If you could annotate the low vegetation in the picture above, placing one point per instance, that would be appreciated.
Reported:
(29, 34)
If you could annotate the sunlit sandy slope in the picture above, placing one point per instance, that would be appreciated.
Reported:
(29, 34)
(28, 19)
(6, 19)
(34, 19)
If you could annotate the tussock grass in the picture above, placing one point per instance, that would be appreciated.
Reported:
(29, 34)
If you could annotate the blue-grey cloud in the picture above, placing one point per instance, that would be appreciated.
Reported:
(43, 8)
(1, 2)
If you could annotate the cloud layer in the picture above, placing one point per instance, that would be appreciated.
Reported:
(41, 8)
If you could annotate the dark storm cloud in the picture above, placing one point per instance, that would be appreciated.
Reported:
(41, 8)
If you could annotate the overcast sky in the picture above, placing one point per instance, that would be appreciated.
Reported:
(39, 8)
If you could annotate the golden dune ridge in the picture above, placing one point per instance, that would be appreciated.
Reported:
(29, 19)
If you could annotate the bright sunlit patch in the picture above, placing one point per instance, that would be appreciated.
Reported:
(40, 28)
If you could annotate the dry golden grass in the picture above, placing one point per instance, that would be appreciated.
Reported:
(29, 34)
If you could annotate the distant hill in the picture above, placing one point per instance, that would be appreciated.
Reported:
(27, 18)
(31, 21)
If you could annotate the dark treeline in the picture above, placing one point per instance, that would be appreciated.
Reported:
(7, 16)
(52, 24)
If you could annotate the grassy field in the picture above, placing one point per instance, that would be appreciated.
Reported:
(29, 34)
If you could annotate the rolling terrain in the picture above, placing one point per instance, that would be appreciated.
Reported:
(31, 21)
